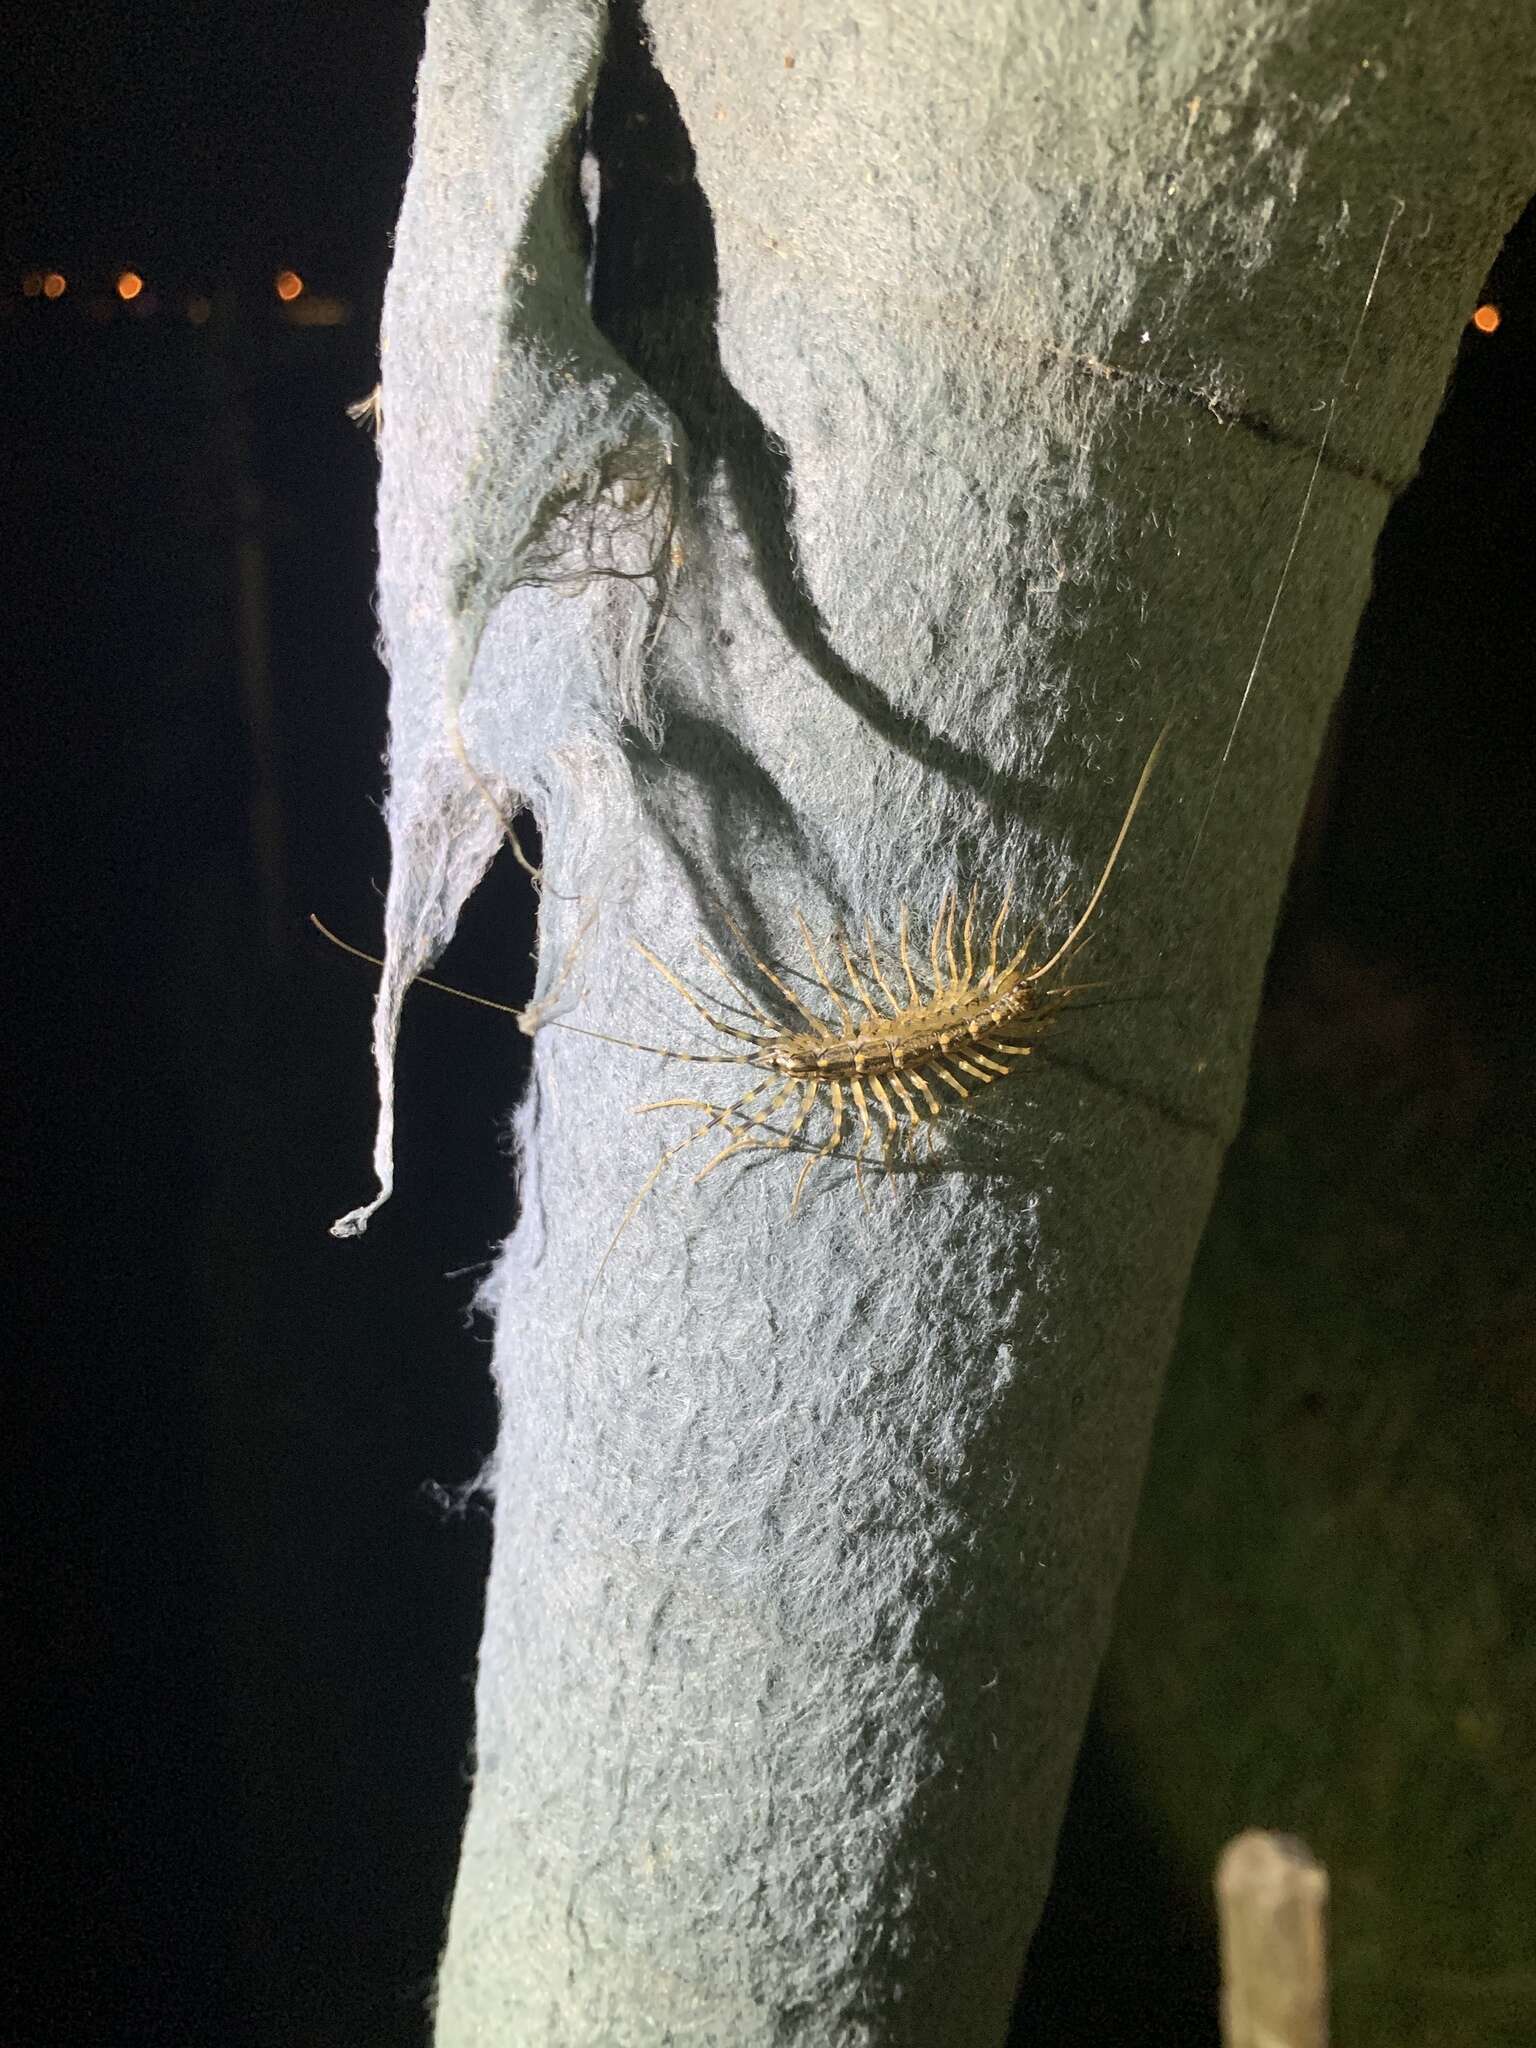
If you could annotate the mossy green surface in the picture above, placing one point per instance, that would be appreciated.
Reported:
(1329, 1621)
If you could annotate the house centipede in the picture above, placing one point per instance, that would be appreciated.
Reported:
(888, 1059)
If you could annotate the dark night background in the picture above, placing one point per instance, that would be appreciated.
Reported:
(245, 1605)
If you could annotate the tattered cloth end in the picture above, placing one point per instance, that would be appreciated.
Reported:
(355, 1222)
(396, 980)
(442, 847)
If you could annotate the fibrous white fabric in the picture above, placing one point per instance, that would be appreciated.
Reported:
(921, 428)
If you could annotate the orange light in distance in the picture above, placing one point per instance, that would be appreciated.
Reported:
(1486, 319)
(54, 285)
(287, 284)
(32, 283)
(129, 285)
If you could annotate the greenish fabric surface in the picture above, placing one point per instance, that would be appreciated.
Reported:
(1327, 1622)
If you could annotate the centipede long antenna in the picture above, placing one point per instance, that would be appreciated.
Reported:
(421, 980)
(1039, 973)
(1301, 520)
(722, 1117)
(661, 1052)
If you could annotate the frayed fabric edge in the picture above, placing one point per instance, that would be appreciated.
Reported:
(441, 851)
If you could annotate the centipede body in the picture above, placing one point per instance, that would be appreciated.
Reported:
(909, 1036)
(883, 1063)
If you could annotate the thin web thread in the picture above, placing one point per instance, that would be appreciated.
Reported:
(1317, 465)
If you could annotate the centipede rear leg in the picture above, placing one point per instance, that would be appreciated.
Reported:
(749, 1141)
(746, 1138)
(866, 1133)
(834, 1140)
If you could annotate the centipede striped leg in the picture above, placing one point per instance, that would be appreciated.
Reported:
(834, 1139)
(744, 1141)
(866, 1133)
(821, 975)
(694, 1002)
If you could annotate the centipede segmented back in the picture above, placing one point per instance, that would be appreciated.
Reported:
(909, 1034)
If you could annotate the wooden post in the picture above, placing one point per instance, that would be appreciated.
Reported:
(1271, 1898)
